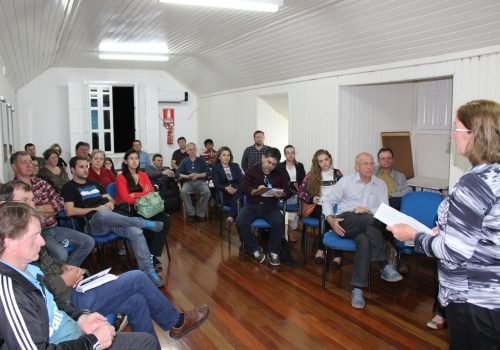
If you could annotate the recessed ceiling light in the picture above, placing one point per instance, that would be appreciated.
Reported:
(250, 5)
(132, 56)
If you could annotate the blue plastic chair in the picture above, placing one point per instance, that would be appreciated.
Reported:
(262, 224)
(332, 240)
(423, 207)
(307, 222)
(223, 209)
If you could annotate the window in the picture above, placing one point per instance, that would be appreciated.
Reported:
(101, 117)
(112, 124)
(7, 119)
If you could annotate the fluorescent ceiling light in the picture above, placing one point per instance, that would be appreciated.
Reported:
(132, 56)
(250, 5)
(133, 47)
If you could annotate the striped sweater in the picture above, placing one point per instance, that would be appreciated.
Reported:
(468, 243)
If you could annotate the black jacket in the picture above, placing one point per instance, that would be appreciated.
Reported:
(24, 320)
(301, 174)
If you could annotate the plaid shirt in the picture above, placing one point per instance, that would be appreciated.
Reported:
(46, 194)
(252, 156)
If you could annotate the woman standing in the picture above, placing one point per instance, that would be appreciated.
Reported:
(51, 172)
(97, 171)
(132, 184)
(467, 244)
(319, 182)
(226, 177)
(296, 174)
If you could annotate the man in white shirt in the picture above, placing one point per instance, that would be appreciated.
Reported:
(357, 197)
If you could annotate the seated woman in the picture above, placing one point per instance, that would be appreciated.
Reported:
(60, 162)
(226, 177)
(51, 172)
(319, 182)
(132, 184)
(296, 174)
(97, 171)
(108, 163)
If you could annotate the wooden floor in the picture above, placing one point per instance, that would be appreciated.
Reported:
(255, 306)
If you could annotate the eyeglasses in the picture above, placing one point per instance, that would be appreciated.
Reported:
(462, 130)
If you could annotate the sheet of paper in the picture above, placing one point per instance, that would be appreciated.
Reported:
(273, 192)
(391, 216)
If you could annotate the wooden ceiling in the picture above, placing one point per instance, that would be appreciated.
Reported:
(213, 50)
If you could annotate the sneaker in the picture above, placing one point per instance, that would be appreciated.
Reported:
(155, 226)
(120, 323)
(259, 255)
(153, 276)
(389, 274)
(357, 300)
(274, 259)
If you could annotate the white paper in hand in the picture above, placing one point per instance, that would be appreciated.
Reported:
(95, 281)
(391, 216)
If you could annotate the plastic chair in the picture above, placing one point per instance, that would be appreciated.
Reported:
(111, 189)
(262, 224)
(223, 209)
(423, 207)
(332, 240)
(308, 222)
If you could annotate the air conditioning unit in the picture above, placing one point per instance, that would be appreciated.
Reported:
(171, 96)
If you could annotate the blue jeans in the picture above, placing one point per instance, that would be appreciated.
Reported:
(81, 243)
(272, 215)
(196, 186)
(105, 221)
(132, 294)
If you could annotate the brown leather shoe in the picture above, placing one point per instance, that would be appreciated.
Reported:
(192, 319)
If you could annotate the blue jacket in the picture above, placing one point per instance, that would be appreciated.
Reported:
(219, 177)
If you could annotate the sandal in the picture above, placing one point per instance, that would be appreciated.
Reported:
(336, 265)
(229, 222)
(319, 259)
(437, 322)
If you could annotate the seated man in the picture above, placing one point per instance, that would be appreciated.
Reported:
(193, 171)
(29, 317)
(160, 175)
(257, 177)
(179, 154)
(210, 153)
(144, 159)
(357, 197)
(394, 180)
(85, 197)
(48, 201)
(82, 150)
(132, 294)
(31, 150)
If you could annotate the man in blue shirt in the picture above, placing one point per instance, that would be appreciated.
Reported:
(357, 197)
(144, 158)
(193, 172)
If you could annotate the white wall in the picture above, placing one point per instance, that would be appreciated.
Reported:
(43, 107)
(366, 111)
(314, 108)
(7, 91)
(274, 124)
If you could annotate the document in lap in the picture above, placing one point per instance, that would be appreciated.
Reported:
(269, 192)
(95, 281)
(391, 216)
